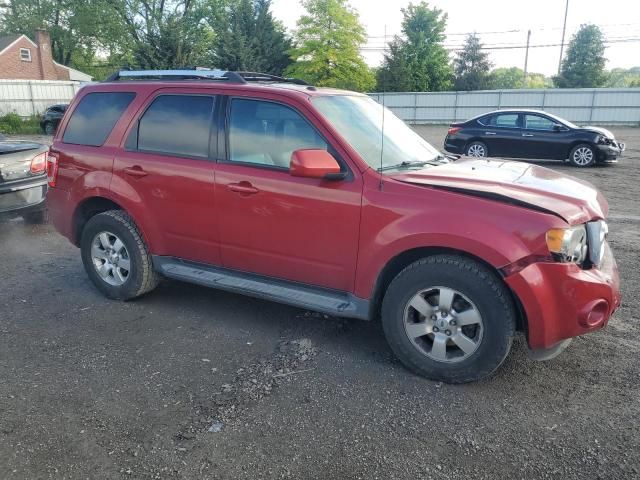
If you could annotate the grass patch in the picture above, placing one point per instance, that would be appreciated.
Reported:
(12, 123)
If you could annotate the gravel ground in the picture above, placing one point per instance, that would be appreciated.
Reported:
(191, 383)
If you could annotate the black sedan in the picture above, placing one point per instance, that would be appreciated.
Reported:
(51, 118)
(23, 180)
(532, 134)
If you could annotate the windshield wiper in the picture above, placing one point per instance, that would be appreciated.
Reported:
(407, 164)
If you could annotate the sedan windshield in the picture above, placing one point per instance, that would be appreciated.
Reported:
(359, 120)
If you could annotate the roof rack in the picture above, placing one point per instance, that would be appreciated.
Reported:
(199, 73)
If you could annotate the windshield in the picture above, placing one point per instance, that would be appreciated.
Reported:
(359, 120)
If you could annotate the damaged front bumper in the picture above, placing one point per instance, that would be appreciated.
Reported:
(562, 301)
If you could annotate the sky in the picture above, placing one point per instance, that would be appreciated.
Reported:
(503, 23)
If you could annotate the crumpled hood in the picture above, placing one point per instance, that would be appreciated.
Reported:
(574, 200)
(600, 130)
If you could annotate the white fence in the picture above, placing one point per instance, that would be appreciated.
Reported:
(604, 106)
(29, 97)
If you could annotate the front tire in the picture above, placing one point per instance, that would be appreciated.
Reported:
(49, 128)
(449, 318)
(115, 256)
(583, 155)
(477, 149)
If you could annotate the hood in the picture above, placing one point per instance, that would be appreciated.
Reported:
(600, 131)
(540, 188)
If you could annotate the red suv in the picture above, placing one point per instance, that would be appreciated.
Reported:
(321, 199)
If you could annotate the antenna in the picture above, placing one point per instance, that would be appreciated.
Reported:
(384, 98)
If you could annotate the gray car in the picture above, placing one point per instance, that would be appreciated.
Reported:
(23, 180)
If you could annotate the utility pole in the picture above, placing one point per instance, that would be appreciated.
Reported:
(564, 30)
(526, 59)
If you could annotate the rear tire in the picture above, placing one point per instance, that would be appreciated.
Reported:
(49, 128)
(465, 341)
(477, 149)
(583, 155)
(115, 256)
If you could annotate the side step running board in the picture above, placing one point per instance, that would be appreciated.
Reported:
(331, 302)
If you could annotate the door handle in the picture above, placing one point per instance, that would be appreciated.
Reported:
(244, 188)
(527, 134)
(490, 133)
(136, 171)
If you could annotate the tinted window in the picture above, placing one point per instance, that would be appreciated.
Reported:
(536, 122)
(95, 116)
(178, 125)
(504, 120)
(267, 133)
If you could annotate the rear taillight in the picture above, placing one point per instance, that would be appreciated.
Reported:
(52, 168)
(39, 163)
(454, 130)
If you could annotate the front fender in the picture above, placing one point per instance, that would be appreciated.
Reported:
(407, 217)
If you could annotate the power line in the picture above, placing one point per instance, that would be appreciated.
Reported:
(515, 46)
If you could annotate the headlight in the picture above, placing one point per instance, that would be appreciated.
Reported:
(568, 244)
(597, 235)
(602, 140)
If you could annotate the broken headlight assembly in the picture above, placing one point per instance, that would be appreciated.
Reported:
(568, 245)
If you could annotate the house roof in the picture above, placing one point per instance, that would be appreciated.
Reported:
(7, 40)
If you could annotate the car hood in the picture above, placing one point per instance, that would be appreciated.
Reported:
(532, 186)
(599, 130)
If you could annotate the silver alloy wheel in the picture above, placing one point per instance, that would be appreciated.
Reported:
(583, 156)
(443, 324)
(477, 150)
(110, 258)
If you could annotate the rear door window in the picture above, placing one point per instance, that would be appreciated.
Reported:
(177, 125)
(504, 120)
(95, 116)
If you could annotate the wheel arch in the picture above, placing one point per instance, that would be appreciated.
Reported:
(402, 260)
(88, 208)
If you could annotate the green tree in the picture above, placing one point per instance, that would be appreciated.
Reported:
(622, 77)
(78, 28)
(417, 61)
(510, 78)
(584, 64)
(327, 51)
(250, 39)
(507, 78)
(472, 66)
(165, 33)
(538, 80)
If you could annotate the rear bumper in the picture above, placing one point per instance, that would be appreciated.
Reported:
(562, 301)
(19, 198)
(454, 145)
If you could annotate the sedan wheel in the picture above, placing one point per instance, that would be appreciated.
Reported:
(582, 156)
(477, 149)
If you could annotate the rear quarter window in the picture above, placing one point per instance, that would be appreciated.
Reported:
(95, 116)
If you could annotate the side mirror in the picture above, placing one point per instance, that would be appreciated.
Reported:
(557, 128)
(314, 164)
